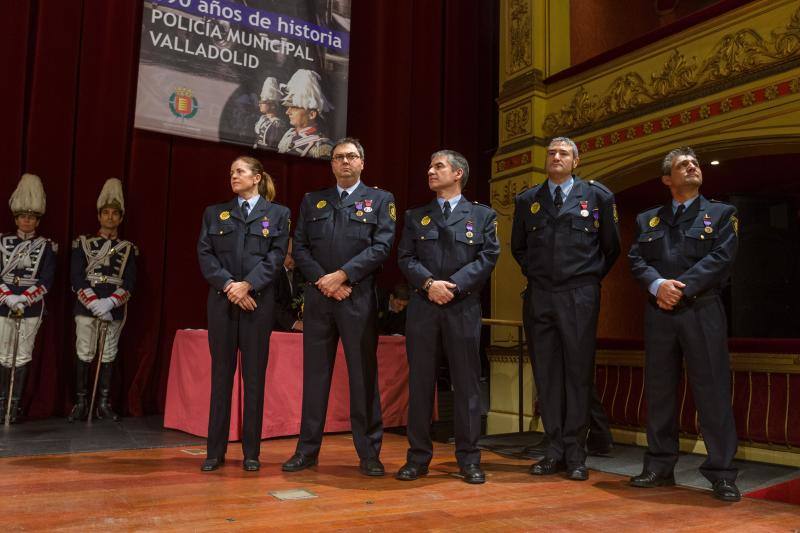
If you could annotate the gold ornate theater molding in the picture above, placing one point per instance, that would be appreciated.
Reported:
(503, 195)
(734, 56)
(519, 55)
(516, 122)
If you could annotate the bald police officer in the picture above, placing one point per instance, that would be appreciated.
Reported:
(343, 236)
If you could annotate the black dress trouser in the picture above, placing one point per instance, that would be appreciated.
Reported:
(696, 334)
(453, 330)
(230, 327)
(563, 328)
(325, 321)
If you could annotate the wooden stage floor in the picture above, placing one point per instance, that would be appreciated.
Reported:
(163, 489)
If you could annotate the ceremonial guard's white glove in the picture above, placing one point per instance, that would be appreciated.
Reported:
(92, 306)
(16, 302)
(104, 305)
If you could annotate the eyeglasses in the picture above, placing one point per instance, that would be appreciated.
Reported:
(350, 157)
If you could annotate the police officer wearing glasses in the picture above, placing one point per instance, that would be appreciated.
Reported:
(343, 236)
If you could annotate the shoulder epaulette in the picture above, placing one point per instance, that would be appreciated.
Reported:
(599, 186)
(53, 246)
(528, 189)
(475, 202)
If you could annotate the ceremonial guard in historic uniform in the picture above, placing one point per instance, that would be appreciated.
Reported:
(682, 255)
(305, 104)
(343, 236)
(27, 269)
(103, 275)
(565, 238)
(447, 252)
(270, 127)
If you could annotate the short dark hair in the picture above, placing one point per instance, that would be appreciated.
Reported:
(666, 164)
(350, 140)
(457, 161)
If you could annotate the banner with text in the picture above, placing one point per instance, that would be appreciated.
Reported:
(270, 74)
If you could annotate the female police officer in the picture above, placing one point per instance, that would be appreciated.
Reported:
(241, 248)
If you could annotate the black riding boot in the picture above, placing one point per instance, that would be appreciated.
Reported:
(81, 409)
(5, 375)
(104, 389)
(20, 375)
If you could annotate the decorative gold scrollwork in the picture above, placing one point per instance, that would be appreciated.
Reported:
(519, 20)
(735, 53)
(504, 197)
(517, 122)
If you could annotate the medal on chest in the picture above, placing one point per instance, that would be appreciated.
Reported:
(470, 227)
(359, 209)
(368, 205)
(265, 227)
(584, 208)
(707, 224)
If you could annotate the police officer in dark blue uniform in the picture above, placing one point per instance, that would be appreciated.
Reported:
(447, 252)
(565, 238)
(343, 236)
(27, 270)
(103, 276)
(682, 255)
(241, 248)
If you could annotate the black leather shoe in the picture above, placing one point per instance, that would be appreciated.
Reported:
(649, 480)
(726, 491)
(473, 474)
(251, 465)
(211, 464)
(371, 467)
(298, 462)
(547, 467)
(411, 471)
(579, 473)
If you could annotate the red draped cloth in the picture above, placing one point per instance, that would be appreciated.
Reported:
(189, 386)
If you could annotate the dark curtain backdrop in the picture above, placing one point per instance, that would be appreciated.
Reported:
(423, 76)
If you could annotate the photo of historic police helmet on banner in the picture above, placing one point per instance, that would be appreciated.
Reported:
(270, 74)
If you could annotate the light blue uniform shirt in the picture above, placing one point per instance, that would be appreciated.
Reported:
(251, 202)
(452, 201)
(349, 189)
(565, 188)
